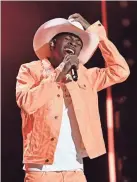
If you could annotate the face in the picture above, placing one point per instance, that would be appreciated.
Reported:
(66, 43)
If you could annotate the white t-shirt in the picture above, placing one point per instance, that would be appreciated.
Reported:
(66, 156)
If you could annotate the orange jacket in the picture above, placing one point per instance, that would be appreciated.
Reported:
(41, 103)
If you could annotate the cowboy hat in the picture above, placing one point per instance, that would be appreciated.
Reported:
(59, 25)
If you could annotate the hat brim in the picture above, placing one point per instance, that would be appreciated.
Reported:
(59, 25)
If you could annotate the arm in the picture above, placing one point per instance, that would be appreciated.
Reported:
(30, 95)
(116, 70)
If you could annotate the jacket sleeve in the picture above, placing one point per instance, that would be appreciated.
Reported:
(30, 95)
(116, 69)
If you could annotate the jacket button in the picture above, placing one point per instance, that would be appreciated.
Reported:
(58, 95)
(52, 139)
(47, 160)
(56, 117)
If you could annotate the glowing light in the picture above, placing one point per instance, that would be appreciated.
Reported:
(130, 62)
(124, 158)
(125, 22)
(109, 110)
(127, 43)
(123, 4)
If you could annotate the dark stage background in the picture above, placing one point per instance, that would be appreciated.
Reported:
(20, 20)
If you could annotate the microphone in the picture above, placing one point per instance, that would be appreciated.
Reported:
(74, 73)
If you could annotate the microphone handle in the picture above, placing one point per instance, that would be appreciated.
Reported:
(74, 73)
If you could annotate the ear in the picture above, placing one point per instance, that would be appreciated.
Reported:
(52, 44)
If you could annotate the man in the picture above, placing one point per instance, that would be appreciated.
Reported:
(60, 117)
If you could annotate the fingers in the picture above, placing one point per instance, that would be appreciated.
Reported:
(69, 61)
(70, 56)
(77, 17)
(74, 16)
(73, 60)
(66, 58)
(75, 64)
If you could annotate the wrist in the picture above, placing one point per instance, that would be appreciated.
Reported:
(61, 77)
(87, 25)
(103, 40)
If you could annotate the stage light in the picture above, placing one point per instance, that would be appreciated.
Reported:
(125, 22)
(124, 158)
(126, 180)
(123, 4)
(130, 62)
(120, 100)
(127, 43)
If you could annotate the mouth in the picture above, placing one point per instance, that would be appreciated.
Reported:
(69, 51)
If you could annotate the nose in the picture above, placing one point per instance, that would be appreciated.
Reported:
(72, 43)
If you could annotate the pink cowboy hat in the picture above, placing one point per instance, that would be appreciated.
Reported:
(59, 25)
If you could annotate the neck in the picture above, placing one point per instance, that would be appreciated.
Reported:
(54, 62)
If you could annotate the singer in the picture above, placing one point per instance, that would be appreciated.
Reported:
(58, 99)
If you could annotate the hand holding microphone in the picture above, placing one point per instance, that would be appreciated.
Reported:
(71, 65)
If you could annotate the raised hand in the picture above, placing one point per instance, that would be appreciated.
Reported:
(69, 61)
(80, 19)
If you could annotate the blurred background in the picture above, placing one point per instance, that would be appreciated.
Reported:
(20, 20)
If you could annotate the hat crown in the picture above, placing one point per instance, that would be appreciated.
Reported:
(60, 21)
